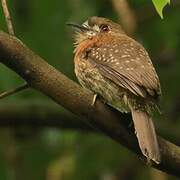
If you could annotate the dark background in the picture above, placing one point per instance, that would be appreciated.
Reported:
(37, 152)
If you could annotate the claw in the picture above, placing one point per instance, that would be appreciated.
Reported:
(94, 100)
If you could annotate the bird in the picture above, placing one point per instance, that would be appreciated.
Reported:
(118, 69)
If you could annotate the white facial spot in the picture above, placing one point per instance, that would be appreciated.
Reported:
(142, 66)
(111, 55)
(127, 61)
(105, 49)
(117, 63)
(132, 60)
(127, 69)
(116, 51)
(96, 28)
(131, 68)
(90, 33)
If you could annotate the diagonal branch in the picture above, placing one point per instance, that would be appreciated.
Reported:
(43, 77)
(11, 32)
(13, 91)
(7, 17)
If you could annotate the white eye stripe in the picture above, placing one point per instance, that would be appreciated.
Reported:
(96, 28)
(86, 24)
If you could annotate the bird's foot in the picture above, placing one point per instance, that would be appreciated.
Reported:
(94, 100)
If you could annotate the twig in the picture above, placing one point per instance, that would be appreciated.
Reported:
(13, 91)
(11, 32)
(7, 17)
(43, 77)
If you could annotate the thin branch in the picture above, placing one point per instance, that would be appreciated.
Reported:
(11, 32)
(43, 77)
(7, 17)
(13, 91)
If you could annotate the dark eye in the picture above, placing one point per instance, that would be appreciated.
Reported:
(104, 27)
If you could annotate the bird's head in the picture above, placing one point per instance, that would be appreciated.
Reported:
(95, 26)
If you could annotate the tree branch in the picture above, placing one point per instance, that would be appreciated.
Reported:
(46, 114)
(7, 17)
(11, 32)
(43, 77)
(13, 91)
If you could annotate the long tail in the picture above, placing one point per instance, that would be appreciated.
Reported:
(146, 135)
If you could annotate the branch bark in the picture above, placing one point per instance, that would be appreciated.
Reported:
(7, 17)
(38, 113)
(43, 77)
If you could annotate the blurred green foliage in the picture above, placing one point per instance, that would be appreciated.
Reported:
(54, 154)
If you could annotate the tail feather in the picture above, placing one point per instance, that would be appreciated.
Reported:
(146, 135)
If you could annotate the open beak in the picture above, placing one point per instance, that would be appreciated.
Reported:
(78, 27)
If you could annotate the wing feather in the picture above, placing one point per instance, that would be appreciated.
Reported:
(127, 64)
(121, 80)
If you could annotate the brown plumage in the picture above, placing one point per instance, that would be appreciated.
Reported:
(116, 67)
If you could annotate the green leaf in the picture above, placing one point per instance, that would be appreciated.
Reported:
(159, 5)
